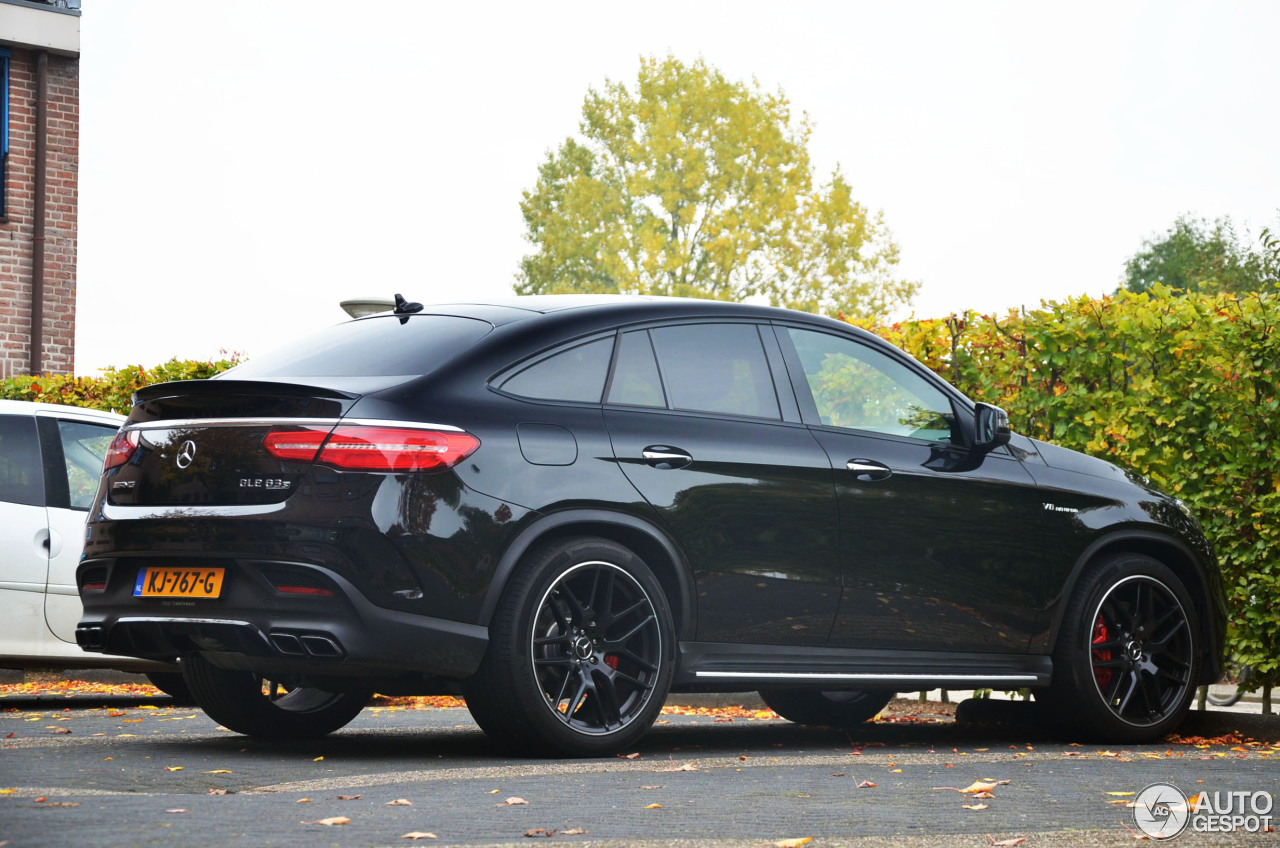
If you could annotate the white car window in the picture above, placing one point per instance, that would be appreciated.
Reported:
(21, 478)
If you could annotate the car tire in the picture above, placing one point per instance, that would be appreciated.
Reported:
(237, 701)
(173, 684)
(829, 709)
(489, 712)
(581, 652)
(1127, 659)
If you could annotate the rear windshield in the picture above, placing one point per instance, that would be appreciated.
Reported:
(382, 346)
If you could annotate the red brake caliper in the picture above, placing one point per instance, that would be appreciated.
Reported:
(1100, 635)
(611, 660)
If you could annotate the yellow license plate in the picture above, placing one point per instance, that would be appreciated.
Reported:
(178, 583)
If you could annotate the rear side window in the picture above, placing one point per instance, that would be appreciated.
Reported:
(575, 374)
(384, 346)
(716, 368)
(21, 479)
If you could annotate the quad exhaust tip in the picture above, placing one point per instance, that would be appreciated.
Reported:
(317, 645)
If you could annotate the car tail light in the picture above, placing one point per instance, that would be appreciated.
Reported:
(121, 449)
(295, 445)
(359, 447)
(396, 448)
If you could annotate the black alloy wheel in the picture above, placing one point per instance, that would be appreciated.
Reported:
(279, 708)
(830, 709)
(581, 653)
(596, 647)
(1127, 661)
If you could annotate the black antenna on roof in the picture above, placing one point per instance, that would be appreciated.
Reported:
(406, 307)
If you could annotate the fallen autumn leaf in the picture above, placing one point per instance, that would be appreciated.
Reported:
(513, 801)
(330, 822)
(685, 767)
(419, 834)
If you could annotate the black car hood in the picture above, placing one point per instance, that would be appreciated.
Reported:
(1081, 463)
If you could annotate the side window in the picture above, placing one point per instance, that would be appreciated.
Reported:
(635, 375)
(716, 368)
(84, 447)
(857, 387)
(21, 478)
(577, 373)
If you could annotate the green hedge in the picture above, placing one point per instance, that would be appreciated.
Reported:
(113, 391)
(1180, 389)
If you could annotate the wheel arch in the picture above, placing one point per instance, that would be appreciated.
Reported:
(1200, 580)
(647, 541)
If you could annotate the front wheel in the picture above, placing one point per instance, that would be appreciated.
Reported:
(281, 709)
(581, 653)
(832, 709)
(1127, 659)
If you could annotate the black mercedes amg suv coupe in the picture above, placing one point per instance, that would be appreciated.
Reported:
(566, 507)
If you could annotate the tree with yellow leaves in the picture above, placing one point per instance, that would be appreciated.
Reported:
(696, 185)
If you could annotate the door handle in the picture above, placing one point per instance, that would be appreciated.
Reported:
(869, 468)
(666, 457)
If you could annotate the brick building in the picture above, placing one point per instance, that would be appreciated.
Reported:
(39, 161)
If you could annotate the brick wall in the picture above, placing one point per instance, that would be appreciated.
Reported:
(17, 228)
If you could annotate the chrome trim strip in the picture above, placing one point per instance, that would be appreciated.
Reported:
(179, 423)
(133, 513)
(140, 619)
(413, 425)
(787, 675)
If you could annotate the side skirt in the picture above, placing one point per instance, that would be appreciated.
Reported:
(711, 667)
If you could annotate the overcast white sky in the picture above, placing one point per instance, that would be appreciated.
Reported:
(246, 165)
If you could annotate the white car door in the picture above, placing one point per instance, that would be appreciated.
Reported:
(24, 537)
(75, 450)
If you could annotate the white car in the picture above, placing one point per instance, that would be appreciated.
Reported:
(50, 466)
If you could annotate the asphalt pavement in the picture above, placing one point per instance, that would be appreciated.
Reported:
(124, 772)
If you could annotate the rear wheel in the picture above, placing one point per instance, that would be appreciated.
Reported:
(832, 709)
(581, 652)
(255, 706)
(1127, 659)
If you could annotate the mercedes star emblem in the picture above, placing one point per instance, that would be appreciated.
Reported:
(186, 454)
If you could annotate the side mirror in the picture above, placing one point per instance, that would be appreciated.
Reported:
(990, 427)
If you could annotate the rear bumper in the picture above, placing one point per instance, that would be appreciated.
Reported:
(254, 627)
